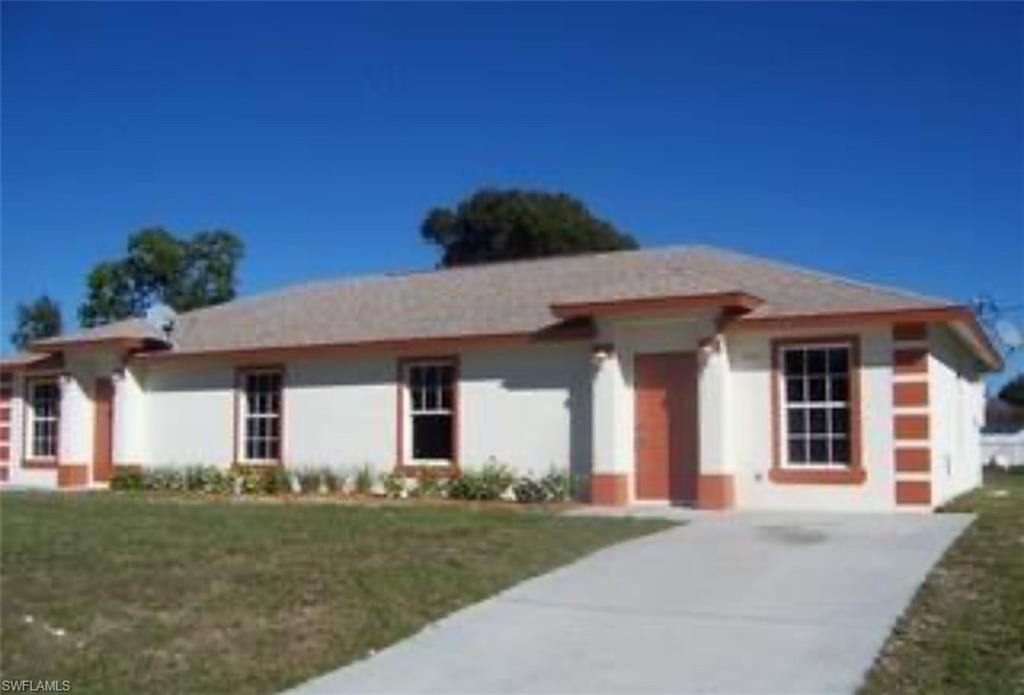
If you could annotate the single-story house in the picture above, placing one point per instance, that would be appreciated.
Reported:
(689, 375)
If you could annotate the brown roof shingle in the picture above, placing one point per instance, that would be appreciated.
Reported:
(516, 297)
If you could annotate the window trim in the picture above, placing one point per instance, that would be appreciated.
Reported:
(240, 416)
(29, 459)
(403, 411)
(781, 471)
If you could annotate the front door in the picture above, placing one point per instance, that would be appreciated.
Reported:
(103, 432)
(665, 426)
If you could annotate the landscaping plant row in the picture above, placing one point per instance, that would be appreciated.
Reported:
(492, 481)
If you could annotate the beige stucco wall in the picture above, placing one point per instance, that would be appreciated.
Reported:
(750, 427)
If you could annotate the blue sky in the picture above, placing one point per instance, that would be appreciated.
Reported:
(877, 140)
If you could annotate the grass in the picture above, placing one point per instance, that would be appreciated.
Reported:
(155, 594)
(964, 631)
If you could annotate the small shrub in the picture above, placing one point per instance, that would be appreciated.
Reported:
(488, 483)
(557, 486)
(429, 485)
(393, 483)
(364, 480)
(529, 491)
(125, 478)
(164, 480)
(208, 480)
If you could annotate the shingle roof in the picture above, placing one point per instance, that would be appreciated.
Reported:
(134, 329)
(516, 297)
(502, 298)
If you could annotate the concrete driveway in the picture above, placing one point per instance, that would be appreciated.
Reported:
(729, 603)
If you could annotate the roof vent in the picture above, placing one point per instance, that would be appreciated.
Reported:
(161, 318)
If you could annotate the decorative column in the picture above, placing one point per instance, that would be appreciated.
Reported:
(715, 484)
(609, 482)
(911, 423)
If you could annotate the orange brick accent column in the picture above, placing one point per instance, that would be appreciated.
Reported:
(609, 489)
(715, 491)
(911, 422)
(6, 394)
(72, 474)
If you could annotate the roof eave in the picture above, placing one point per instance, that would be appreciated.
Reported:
(953, 314)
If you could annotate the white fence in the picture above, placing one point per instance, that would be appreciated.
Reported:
(1003, 450)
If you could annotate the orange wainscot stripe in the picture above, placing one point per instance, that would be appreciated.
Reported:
(910, 361)
(715, 491)
(72, 474)
(913, 459)
(609, 489)
(911, 426)
(910, 331)
(913, 492)
(910, 393)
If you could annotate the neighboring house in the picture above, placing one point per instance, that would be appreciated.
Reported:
(687, 374)
(1002, 438)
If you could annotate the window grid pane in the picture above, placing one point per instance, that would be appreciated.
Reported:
(816, 404)
(262, 436)
(431, 409)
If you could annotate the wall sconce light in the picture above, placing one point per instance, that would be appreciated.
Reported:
(600, 353)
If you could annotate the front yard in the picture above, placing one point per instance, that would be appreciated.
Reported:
(964, 631)
(124, 593)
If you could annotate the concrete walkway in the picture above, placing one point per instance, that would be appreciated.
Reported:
(729, 603)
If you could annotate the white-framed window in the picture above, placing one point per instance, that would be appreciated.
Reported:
(261, 415)
(44, 417)
(430, 423)
(817, 404)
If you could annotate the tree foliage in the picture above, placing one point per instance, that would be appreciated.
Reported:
(183, 272)
(1013, 391)
(494, 225)
(37, 319)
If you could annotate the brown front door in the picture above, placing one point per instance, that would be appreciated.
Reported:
(665, 387)
(103, 432)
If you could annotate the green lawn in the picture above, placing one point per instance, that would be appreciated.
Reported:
(964, 631)
(158, 594)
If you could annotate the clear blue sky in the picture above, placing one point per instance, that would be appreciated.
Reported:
(881, 141)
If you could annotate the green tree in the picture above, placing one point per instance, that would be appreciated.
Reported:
(495, 225)
(183, 272)
(1013, 391)
(37, 319)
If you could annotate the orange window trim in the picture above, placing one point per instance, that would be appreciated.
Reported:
(401, 372)
(854, 474)
(238, 428)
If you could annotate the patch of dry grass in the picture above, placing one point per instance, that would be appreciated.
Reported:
(120, 592)
(964, 631)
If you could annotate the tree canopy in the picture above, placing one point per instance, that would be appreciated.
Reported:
(1013, 391)
(37, 319)
(495, 225)
(183, 272)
